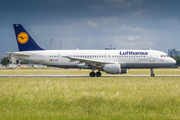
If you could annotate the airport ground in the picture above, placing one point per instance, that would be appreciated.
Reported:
(89, 98)
(56, 71)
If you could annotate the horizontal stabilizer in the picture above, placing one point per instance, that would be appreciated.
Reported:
(18, 54)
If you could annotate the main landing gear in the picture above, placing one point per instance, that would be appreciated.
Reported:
(93, 74)
(152, 73)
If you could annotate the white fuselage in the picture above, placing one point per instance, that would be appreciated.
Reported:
(126, 58)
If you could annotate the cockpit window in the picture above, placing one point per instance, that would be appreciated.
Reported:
(164, 55)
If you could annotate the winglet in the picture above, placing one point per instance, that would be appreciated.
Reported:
(24, 40)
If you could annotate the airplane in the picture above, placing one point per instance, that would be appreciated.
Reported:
(110, 61)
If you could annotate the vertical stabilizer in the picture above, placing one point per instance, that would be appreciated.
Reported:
(24, 40)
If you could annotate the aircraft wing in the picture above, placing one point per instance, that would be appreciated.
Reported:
(91, 62)
(19, 54)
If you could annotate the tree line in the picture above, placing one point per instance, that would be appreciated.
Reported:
(6, 61)
(177, 59)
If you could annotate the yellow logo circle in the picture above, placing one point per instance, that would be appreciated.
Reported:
(23, 37)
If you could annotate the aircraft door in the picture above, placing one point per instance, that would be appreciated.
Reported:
(41, 58)
(152, 56)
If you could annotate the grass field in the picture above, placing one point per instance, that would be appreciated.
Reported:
(90, 98)
(166, 71)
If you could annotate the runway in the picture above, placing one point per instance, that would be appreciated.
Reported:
(82, 76)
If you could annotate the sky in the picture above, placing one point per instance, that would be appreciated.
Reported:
(92, 24)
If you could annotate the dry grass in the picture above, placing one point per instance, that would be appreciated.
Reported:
(90, 98)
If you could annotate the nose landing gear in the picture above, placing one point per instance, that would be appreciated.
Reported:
(152, 73)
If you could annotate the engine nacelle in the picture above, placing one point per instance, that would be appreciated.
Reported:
(112, 68)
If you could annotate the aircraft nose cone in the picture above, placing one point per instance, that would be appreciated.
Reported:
(173, 61)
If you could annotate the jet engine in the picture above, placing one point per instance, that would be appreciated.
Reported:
(114, 69)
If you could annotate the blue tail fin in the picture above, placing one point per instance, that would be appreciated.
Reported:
(24, 40)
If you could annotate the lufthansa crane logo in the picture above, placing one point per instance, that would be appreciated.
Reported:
(23, 37)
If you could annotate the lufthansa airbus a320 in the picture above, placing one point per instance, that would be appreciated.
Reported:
(110, 61)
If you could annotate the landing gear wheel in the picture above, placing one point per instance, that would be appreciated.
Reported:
(98, 74)
(152, 75)
(92, 74)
